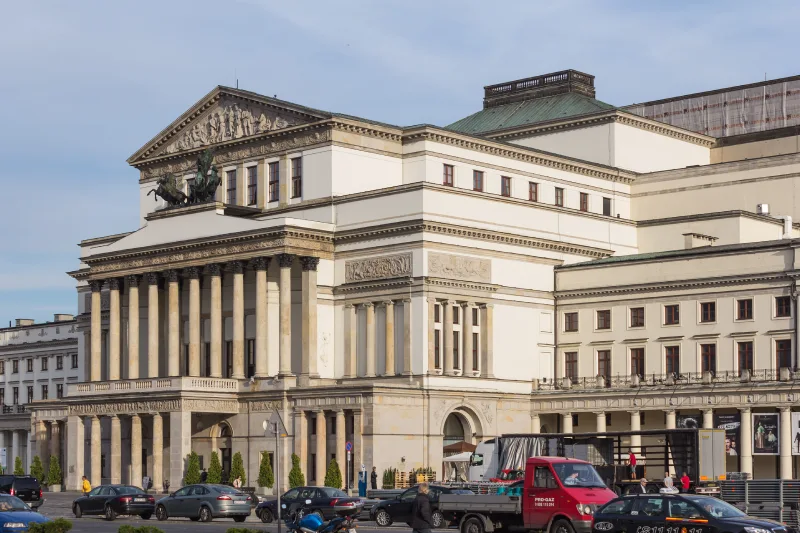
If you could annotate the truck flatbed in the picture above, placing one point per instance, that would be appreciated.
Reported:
(477, 503)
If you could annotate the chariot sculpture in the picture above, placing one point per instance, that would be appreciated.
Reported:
(201, 189)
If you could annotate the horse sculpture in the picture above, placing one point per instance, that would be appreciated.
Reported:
(205, 184)
(169, 191)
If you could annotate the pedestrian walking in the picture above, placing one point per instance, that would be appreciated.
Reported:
(237, 483)
(203, 476)
(373, 478)
(86, 486)
(421, 519)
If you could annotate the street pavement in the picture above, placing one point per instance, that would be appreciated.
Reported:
(59, 505)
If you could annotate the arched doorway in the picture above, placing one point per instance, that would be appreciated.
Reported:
(454, 430)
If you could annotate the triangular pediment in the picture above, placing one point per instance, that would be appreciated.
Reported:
(222, 116)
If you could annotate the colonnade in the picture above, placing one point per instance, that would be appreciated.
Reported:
(192, 277)
(12, 440)
(319, 417)
(351, 338)
(448, 362)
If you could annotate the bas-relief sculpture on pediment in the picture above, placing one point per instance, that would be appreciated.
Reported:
(459, 267)
(231, 119)
(383, 267)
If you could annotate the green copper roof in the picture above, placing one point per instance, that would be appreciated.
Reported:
(528, 112)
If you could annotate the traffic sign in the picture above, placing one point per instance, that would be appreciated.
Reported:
(348, 446)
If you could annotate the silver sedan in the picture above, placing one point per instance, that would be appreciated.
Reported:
(204, 503)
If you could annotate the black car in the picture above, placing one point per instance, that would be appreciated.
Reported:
(26, 488)
(672, 513)
(113, 500)
(325, 501)
(385, 512)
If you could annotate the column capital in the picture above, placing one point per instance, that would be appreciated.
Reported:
(152, 278)
(785, 409)
(468, 304)
(96, 285)
(670, 411)
(309, 263)
(135, 416)
(155, 415)
(534, 415)
(707, 410)
(339, 410)
(349, 306)
(635, 412)
(172, 276)
(260, 263)
(406, 301)
(386, 303)
(566, 414)
(213, 269)
(451, 302)
(236, 267)
(600, 413)
(191, 273)
(115, 284)
(486, 306)
(744, 410)
(285, 260)
(367, 305)
(133, 280)
(113, 417)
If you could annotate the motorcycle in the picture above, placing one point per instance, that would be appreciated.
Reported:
(299, 522)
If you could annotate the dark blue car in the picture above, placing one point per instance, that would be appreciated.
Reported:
(15, 515)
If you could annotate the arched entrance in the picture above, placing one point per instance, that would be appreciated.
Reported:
(461, 431)
(454, 430)
(221, 436)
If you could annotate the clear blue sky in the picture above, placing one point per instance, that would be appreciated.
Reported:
(86, 83)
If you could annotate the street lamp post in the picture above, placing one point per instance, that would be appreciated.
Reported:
(275, 423)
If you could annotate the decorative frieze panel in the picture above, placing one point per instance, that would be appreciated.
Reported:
(155, 406)
(459, 267)
(388, 266)
(260, 407)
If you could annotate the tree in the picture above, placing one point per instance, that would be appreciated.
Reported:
(214, 469)
(192, 470)
(333, 477)
(54, 476)
(37, 470)
(296, 477)
(237, 468)
(265, 476)
(18, 470)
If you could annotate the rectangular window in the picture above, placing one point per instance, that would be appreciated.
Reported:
(475, 362)
(783, 306)
(574, 420)
(456, 314)
(477, 180)
(708, 358)
(673, 359)
(231, 182)
(637, 362)
(189, 186)
(15, 366)
(604, 319)
(456, 351)
(604, 365)
(2, 397)
(59, 391)
(571, 366)
(475, 317)
(59, 362)
(584, 201)
(251, 358)
(332, 425)
(30, 394)
(533, 191)
(505, 186)
(313, 466)
(437, 313)
(15, 393)
(44, 392)
(607, 207)
(437, 349)
(447, 178)
(252, 185)
(708, 312)
(29, 363)
(2, 367)
(744, 309)
(571, 322)
(274, 180)
(637, 317)
(44, 362)
(783, 353)
(228, 370)
(672, 315)
(559, 197)
(74, 360)
(297, 177)
(745, 351)
(608, 419)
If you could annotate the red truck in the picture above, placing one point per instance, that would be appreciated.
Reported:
(558, 495)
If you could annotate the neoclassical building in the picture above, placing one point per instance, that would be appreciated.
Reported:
(403, 288)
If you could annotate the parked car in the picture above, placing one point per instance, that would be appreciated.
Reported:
(385, 512)
(113, 500)
(16, 515)
(325, 501)
(26, 488)
(204, 503)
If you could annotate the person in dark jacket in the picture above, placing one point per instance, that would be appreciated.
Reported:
(641, 488)
(373, 478)
(421, 519)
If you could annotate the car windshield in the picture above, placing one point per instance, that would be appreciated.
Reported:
(714, 507)
(12, 503)
(128, 490)
(578, 475)
(333, 493)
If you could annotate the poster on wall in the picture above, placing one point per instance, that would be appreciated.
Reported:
(796, 433)
(731, 424)
(765, 434)
(688, 421)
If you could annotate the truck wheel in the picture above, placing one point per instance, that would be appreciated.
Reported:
(472, 525)
(561, 526)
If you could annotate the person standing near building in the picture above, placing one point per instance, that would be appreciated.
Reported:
(632, 462)
(668, 481)
(685, 483)
(421, 520)
(373, 478)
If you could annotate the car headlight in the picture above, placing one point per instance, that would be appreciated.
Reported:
(13, 525)
(589, 509)
(757, 530)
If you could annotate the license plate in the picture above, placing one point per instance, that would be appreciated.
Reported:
(142, 500)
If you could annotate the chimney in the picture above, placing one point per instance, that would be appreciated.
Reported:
(697, 240)
(565, 81)
(62, 317)
(24, 322)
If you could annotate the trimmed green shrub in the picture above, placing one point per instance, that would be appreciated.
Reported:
(265, 476)
(141, 529)
(192, 470)
(389, 477)
(333, 477)
(18, 470)
(237, 469)
(59, 525)
(37, 469)
(296, 477)
(214, 469)
(54, 475)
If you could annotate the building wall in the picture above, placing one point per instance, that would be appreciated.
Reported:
(756, 149)
(646, 151)
(595, 143)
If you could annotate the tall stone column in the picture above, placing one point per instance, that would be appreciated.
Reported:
(746, 442)
(601, 421)
(40, 430)
(370, 311)
(708, 419)
(237, 267)
(55, 441)
(309, 316)
(322, 447)
(136, 450)
(487, 341)
(407, 337)
(260, 265)
(192, 274)
(158, 451)
(114, 360)
(75, 452)
(469, 365)
(96, 449)
(350, 341)
(566, 422)
(133, 327)
(285, 314)
(786, 442)
(174, 323)
(636, 425)
(432, 336)
(341, 439)
(536, 423)
(153, 325)
(301, 439)
(116, 450)
(448, 354)
(96, 331)
(670, 423)
(389, 360)
(215, 272)
(180, 444)
(16, 451)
